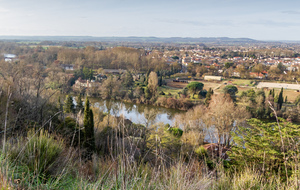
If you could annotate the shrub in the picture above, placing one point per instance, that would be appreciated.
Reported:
(68, 129)
(201, 151)
(177, 132)
(39, 153)
(203, 93)
(267, 145)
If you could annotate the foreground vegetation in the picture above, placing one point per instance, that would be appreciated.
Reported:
(43, 161)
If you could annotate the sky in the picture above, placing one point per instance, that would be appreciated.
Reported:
(256, 19)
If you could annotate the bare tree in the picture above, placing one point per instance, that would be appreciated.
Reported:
(153, 83)
(224, 116)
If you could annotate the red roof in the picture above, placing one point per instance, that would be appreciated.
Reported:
(256, 74)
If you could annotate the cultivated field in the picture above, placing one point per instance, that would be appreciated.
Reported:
(207, 85)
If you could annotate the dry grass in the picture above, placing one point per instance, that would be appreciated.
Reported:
(4, 182)
(291, 94)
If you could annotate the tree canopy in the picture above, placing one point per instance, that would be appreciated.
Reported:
(231, 90)
(267, 145)
(69, 106)
(195, 87)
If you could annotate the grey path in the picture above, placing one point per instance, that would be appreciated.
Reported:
(278, 85)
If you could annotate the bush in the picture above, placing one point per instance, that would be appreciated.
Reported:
(202, 93)
(177, 132)
(201, 152)
(68, 129)
(39, 154)
(267, 145)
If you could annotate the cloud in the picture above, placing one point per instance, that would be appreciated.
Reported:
(291, 12)
(196, 23)
(3, 10)
(272, 23)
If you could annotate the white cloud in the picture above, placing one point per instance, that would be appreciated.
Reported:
(4, 10)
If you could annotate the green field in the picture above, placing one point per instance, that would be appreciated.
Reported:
(167, 90)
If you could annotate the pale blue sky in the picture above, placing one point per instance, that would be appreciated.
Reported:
(257, 19)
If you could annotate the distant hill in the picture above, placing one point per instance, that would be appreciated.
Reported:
(131, 39)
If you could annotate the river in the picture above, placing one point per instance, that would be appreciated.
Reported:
(144, 114)
(137, 113)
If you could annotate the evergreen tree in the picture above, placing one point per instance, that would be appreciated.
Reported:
(147, 93)
(88, 124)
(273, 93)
(60, 107)
(87, 73)
(276, 99)
(285, 101)
(79, 106)
(280, 100)
(261, 103)
(160, 81)
(69, 106)
(128, 80)
(194, 87)
(231, 90)
(270, 93)
(210, 92)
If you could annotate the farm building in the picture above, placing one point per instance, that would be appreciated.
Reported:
(218, 78)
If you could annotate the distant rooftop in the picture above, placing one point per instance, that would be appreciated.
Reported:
(10, 56)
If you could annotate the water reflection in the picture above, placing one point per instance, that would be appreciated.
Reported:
(137, 113)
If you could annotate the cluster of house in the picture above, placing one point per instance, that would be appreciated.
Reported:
(214, 58)
(85, 84)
